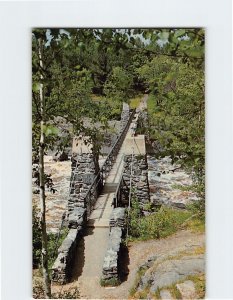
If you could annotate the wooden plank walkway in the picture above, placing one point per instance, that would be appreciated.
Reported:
(103, 208)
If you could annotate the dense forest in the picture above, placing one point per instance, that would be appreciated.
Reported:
(79, 73)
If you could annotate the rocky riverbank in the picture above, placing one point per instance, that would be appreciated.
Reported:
(176, 274)
(169, 183)
(165, 182)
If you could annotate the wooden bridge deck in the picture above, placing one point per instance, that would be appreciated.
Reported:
(103, 208)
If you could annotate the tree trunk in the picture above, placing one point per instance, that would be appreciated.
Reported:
(47, 283)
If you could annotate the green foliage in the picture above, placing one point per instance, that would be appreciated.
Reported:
(134, 102)
(134, 215)
(198, 208)
(160, 224)
(177, 96)
(54, 243)
(109, 282)
(116, 62)
(50, 130)
(199, 281)
(66, 90)
(151, 105)
(109, 109)
(118, 84)
(196, 225)
(186, 44)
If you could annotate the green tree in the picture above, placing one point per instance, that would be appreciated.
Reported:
(177, 114)
(61, 88)
(119, 84)
(57, 91)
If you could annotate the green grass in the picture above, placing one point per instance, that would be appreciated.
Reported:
(53, 243)
(175, 292)
(157, 294)
(199, 282)
(142, 294)
(134, 102)
(172, 289)
(95, 97)
(109, 282)
(133, 291)
(196, 225)
(157, 225)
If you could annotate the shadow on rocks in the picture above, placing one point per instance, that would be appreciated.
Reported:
(123, 263)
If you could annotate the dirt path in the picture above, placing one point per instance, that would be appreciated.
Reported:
(139, 252)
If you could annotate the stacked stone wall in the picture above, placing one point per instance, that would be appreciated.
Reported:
(84, 170)
(63, 266)
(136, 168)
(111, 266)
(84, 167)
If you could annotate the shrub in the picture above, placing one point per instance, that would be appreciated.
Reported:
(134, 102)
(118, 84)
(54, 242)
(109, 282)
(157, 225)
(198, 208)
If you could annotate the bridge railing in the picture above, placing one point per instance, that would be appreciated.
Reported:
(98, 183)
(121, 196)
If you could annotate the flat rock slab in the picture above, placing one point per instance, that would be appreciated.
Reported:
(187, 290)
(166, 295)
(173, 270)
